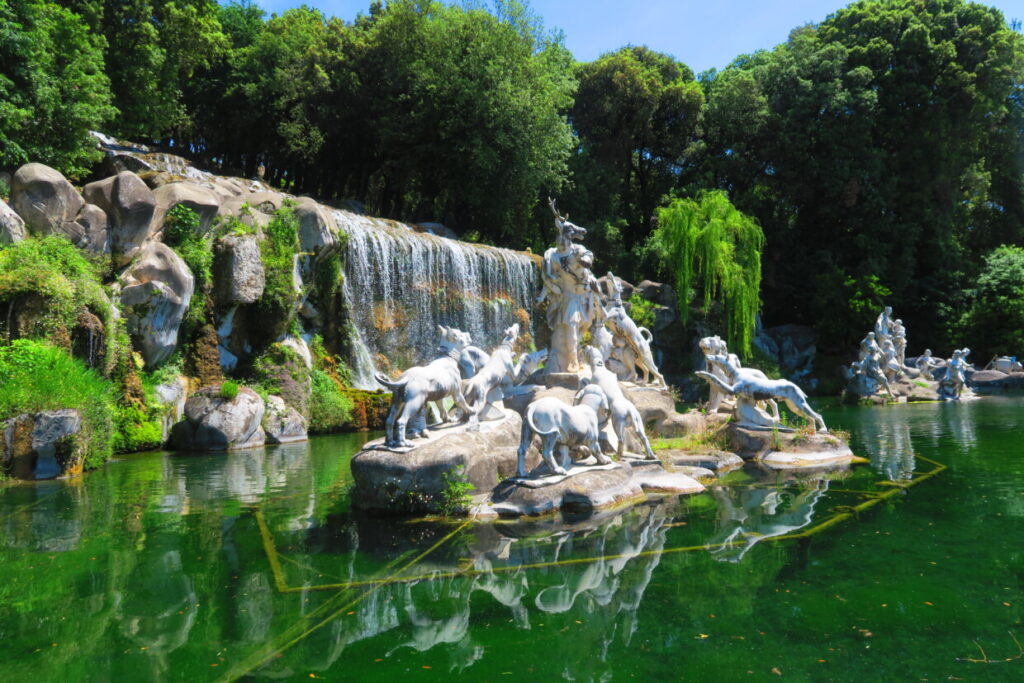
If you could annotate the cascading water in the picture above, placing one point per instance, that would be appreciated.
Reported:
(401, 284)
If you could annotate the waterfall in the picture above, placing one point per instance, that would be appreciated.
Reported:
(401, 284)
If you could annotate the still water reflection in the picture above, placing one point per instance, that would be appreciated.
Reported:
(253, 564)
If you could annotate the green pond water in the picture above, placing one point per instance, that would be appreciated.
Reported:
(253, 565)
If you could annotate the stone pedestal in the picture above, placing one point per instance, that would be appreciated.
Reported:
(790, 450)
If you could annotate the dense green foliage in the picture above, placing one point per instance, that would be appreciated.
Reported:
(880, 150)
(55, 271)
(715, 249)
(330, 410)
(35, 376)
(994, 322)
(277, 251)
(53, 89)
(883, 142)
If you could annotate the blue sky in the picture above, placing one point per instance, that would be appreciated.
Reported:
(701, 33)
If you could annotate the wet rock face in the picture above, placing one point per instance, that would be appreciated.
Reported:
(12, 227)
(238, 270)
(129, 205)
(213, 423)
(42, 445)
(317, 228)
(282, 423)
(46, 201)
(156, 291)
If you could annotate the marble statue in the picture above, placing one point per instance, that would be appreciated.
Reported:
(1007, 364)
(890, 366)
(565, 426)
(951, 383)
(483, 390)
(715, 346)
(899, 340)
(435, 381)
(748, 387)
(869, 346)
(634, 338)
(471, 360)
(925, 364)
(572, 294)
(622, 412)
(883, 325)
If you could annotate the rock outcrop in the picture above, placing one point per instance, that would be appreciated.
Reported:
(42, 445)
(282, 423)
(994, 381)
(47, 202)
(130, 206)
(156, 291)
(215, 423)
(12, 227)
(206, 203)
(238, 270)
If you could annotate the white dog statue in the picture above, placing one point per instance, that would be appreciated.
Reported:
(565, 426)
(750, 387)
(637, 339)
(622, 412)
(483, 390)
(435, 381)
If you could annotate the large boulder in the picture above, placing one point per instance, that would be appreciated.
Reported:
(282, 423)
(47, 202)
(994, 381)
(130, 206)
(239, 277)
(12, 227)
(155, 293)
(216, 423)
(317, 227)
(42, 445)
(96, 226)
(415, 481)
(205, 202)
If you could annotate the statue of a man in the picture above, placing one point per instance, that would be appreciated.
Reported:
(572, 293)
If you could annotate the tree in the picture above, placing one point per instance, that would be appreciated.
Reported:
(636, 114)
(994, 321)
(153, 47)
(707, 244)
(52, 87)
(875, 144)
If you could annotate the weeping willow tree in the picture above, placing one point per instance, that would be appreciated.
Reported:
(708, 244)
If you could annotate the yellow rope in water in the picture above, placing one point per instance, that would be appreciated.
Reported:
(263, 657)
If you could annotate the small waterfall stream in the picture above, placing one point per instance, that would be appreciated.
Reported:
(401, 284)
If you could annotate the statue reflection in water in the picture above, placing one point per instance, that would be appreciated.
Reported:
(748, 515)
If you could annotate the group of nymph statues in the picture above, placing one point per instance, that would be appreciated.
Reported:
(882, 362)
(600, 417)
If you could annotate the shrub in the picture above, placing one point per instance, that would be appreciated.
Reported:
(641, 311)
(36, 376)
(455, 495)
(330, 410)
(228, 390)
(182, 233)
(54, 269)
(277, 251)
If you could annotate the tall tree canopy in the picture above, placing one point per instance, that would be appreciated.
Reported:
(877, 143)
(53, 90)
(636, 114)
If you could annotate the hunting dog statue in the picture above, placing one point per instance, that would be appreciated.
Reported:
(483, 389)
(566, 426)
(636, 338)
(622, 412)
(751, 386)
(435, 381)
